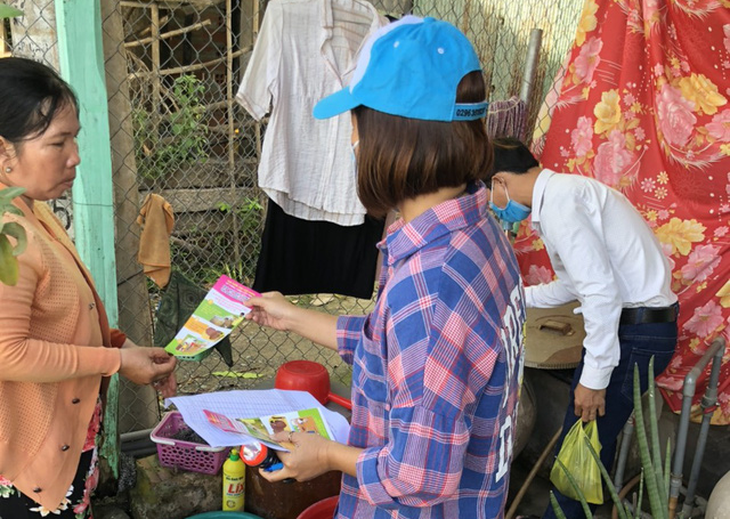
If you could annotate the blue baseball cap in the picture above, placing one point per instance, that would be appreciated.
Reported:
(410, 68)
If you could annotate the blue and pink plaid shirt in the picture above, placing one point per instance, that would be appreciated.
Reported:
(436, 370)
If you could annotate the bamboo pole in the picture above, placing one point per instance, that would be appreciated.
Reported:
(200, 110)
(187, 68)
(526, 484)
(142, 5)
(255, 24)
(163, 21)
(231, 131)
(3, 48)
(138, 402)
(156, 87)
(167, 35)
(466, 18)
(229, 86)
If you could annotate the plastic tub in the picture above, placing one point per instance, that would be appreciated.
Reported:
(324, 509)
(307, 375)
(173, 453)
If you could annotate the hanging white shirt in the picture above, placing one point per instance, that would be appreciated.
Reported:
(306, 50)
(604, 255)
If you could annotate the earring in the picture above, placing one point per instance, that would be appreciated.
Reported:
(8, 169)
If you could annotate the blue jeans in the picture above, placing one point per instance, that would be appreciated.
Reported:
(639, 342)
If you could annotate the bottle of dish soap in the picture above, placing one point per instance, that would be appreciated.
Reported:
(234, 481)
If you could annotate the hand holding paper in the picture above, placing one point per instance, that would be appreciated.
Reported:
(218, 314)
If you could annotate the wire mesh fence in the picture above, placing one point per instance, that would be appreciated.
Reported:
(172, 70)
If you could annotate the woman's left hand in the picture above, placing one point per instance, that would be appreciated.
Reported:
(166, 386)
(307, 459)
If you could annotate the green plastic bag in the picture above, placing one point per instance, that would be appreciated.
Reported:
(576, 457)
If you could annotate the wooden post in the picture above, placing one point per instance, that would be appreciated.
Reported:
(139, 402)
(257, 125)
(82, 65)
(3, 49)
(156, 87)
(229, 87)
(235, 226)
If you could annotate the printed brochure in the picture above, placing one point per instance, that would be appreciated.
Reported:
(264, 427)
(217, 315)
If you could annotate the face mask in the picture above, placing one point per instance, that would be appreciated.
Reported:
(513, 212)
(354, 156)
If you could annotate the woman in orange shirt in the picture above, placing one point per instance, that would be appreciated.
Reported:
(56, 346)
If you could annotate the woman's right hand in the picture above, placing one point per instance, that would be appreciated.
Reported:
(272, 309)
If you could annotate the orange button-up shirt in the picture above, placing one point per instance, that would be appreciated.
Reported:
(53, 329)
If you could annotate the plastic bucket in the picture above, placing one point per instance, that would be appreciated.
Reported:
(224, 515)
(324, 509)
(307, 375)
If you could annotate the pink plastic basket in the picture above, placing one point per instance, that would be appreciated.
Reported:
(197, 457)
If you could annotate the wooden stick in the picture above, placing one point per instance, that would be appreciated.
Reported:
(189, 68)
(231, 132)
(142, 5)
(3, 48)
(156, 87)
(229, 84)
(255, 23)
(200, 109)
(163, 21)
(169, 34)
(523, 489)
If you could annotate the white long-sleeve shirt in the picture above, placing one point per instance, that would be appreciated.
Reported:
(306, 50)
(604, 255)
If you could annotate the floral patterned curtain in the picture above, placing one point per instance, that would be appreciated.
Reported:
(642, 105)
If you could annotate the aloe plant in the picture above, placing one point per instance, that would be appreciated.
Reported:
(8, 252)
(654, 470)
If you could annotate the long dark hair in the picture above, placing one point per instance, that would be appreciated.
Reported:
(31, 94)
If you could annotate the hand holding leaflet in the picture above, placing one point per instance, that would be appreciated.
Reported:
(263, 428)
(218, 314)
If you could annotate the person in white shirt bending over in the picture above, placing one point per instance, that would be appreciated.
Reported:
(605, 256)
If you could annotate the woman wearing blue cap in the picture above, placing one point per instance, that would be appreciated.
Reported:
(437, 363)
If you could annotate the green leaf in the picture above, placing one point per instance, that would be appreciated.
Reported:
(18, 232)
(609, 484)
(8, 263)
(12, 209)
(576, 489)
(667, 467)
(7, 11)
(637, 510)
(236, 374)
(556, 507)
(654, 430)
(7, 194)
(659, 509)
